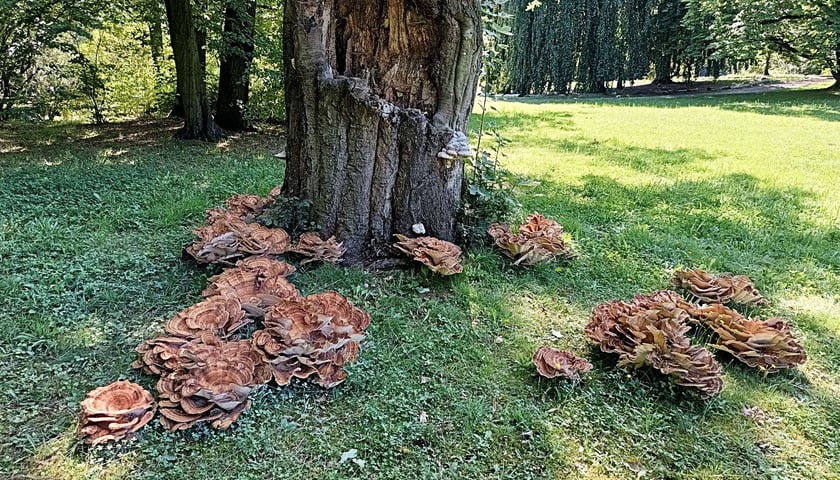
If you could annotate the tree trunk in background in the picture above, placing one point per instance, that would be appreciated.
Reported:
(156, 43)
(375, 89)
(234, 72)
(835, 71)
(662, 69)
(198, 123)
(767, 64)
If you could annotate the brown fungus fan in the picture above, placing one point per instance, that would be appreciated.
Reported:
(315, 249)
(160, 356)
(257, 284)
(652, 331)
(718, 288)
(227, 239)
(219, 315)
(551, 363)
(439, 256)
(539, 240)
(115, 412)
(247, 207)
(314, 335)
(768, 345)
(212, 385)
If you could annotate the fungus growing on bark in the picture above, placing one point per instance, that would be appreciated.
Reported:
(314, 335)
(652, 331)
(768, 345)
(315, 249)
(439, 256)
(539, 240)
(221, 316)
(718, 288)
(551, 363)
(212, 384)
(115, 412)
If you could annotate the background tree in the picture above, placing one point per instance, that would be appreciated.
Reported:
(375, 90)
(198, 120)
(237, 54)
(30, 27)
(798, 30)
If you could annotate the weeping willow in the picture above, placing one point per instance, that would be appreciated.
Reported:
(581, 45)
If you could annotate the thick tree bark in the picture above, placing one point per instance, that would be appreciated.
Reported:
(375, 91)
(198, 122)
(662, 69)
(234, 72)
(835, 70)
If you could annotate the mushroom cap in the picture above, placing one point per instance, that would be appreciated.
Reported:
(551, 363)
(439, 256)
(115, 411)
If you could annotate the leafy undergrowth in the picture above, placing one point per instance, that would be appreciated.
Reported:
(92, 222)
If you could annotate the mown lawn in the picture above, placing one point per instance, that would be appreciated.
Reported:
(92, 222)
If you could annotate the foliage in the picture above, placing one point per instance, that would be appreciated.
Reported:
(798, 30)
(290, 214)
(31, 27)
(267, 101)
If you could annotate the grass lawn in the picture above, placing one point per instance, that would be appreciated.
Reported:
(92, 222)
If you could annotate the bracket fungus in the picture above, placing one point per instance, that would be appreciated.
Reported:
(115, 411)
(315, 249)
(768, 345)
(439, 256)
(552, 363)
(539, 240)
(718, 288)
(212, 384)
(227, 239)
(652, 331)
(219, 315)
(314, 335)
(248, 207)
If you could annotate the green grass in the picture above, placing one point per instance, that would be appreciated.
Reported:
(90, 233)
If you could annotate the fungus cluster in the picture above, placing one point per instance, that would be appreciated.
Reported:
(651, 331)
(251, 327)
(709, 288)
(233, 232)
(208, 362)
(768, 345)
(538, 240)
(439, 256)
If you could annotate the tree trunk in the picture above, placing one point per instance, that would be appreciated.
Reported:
(376, 90)
(156, 42)
(835, 71)
(662, 68)
(234, 72)
(767, 64)
(198, 123)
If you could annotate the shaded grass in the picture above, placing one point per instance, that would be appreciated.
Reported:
(89, 253)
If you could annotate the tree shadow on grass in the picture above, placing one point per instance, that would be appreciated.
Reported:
(657, 161)
(629, 237)
(818, 104)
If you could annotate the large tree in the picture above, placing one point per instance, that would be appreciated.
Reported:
(376, 90)
(237, 53)
(198, 120)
